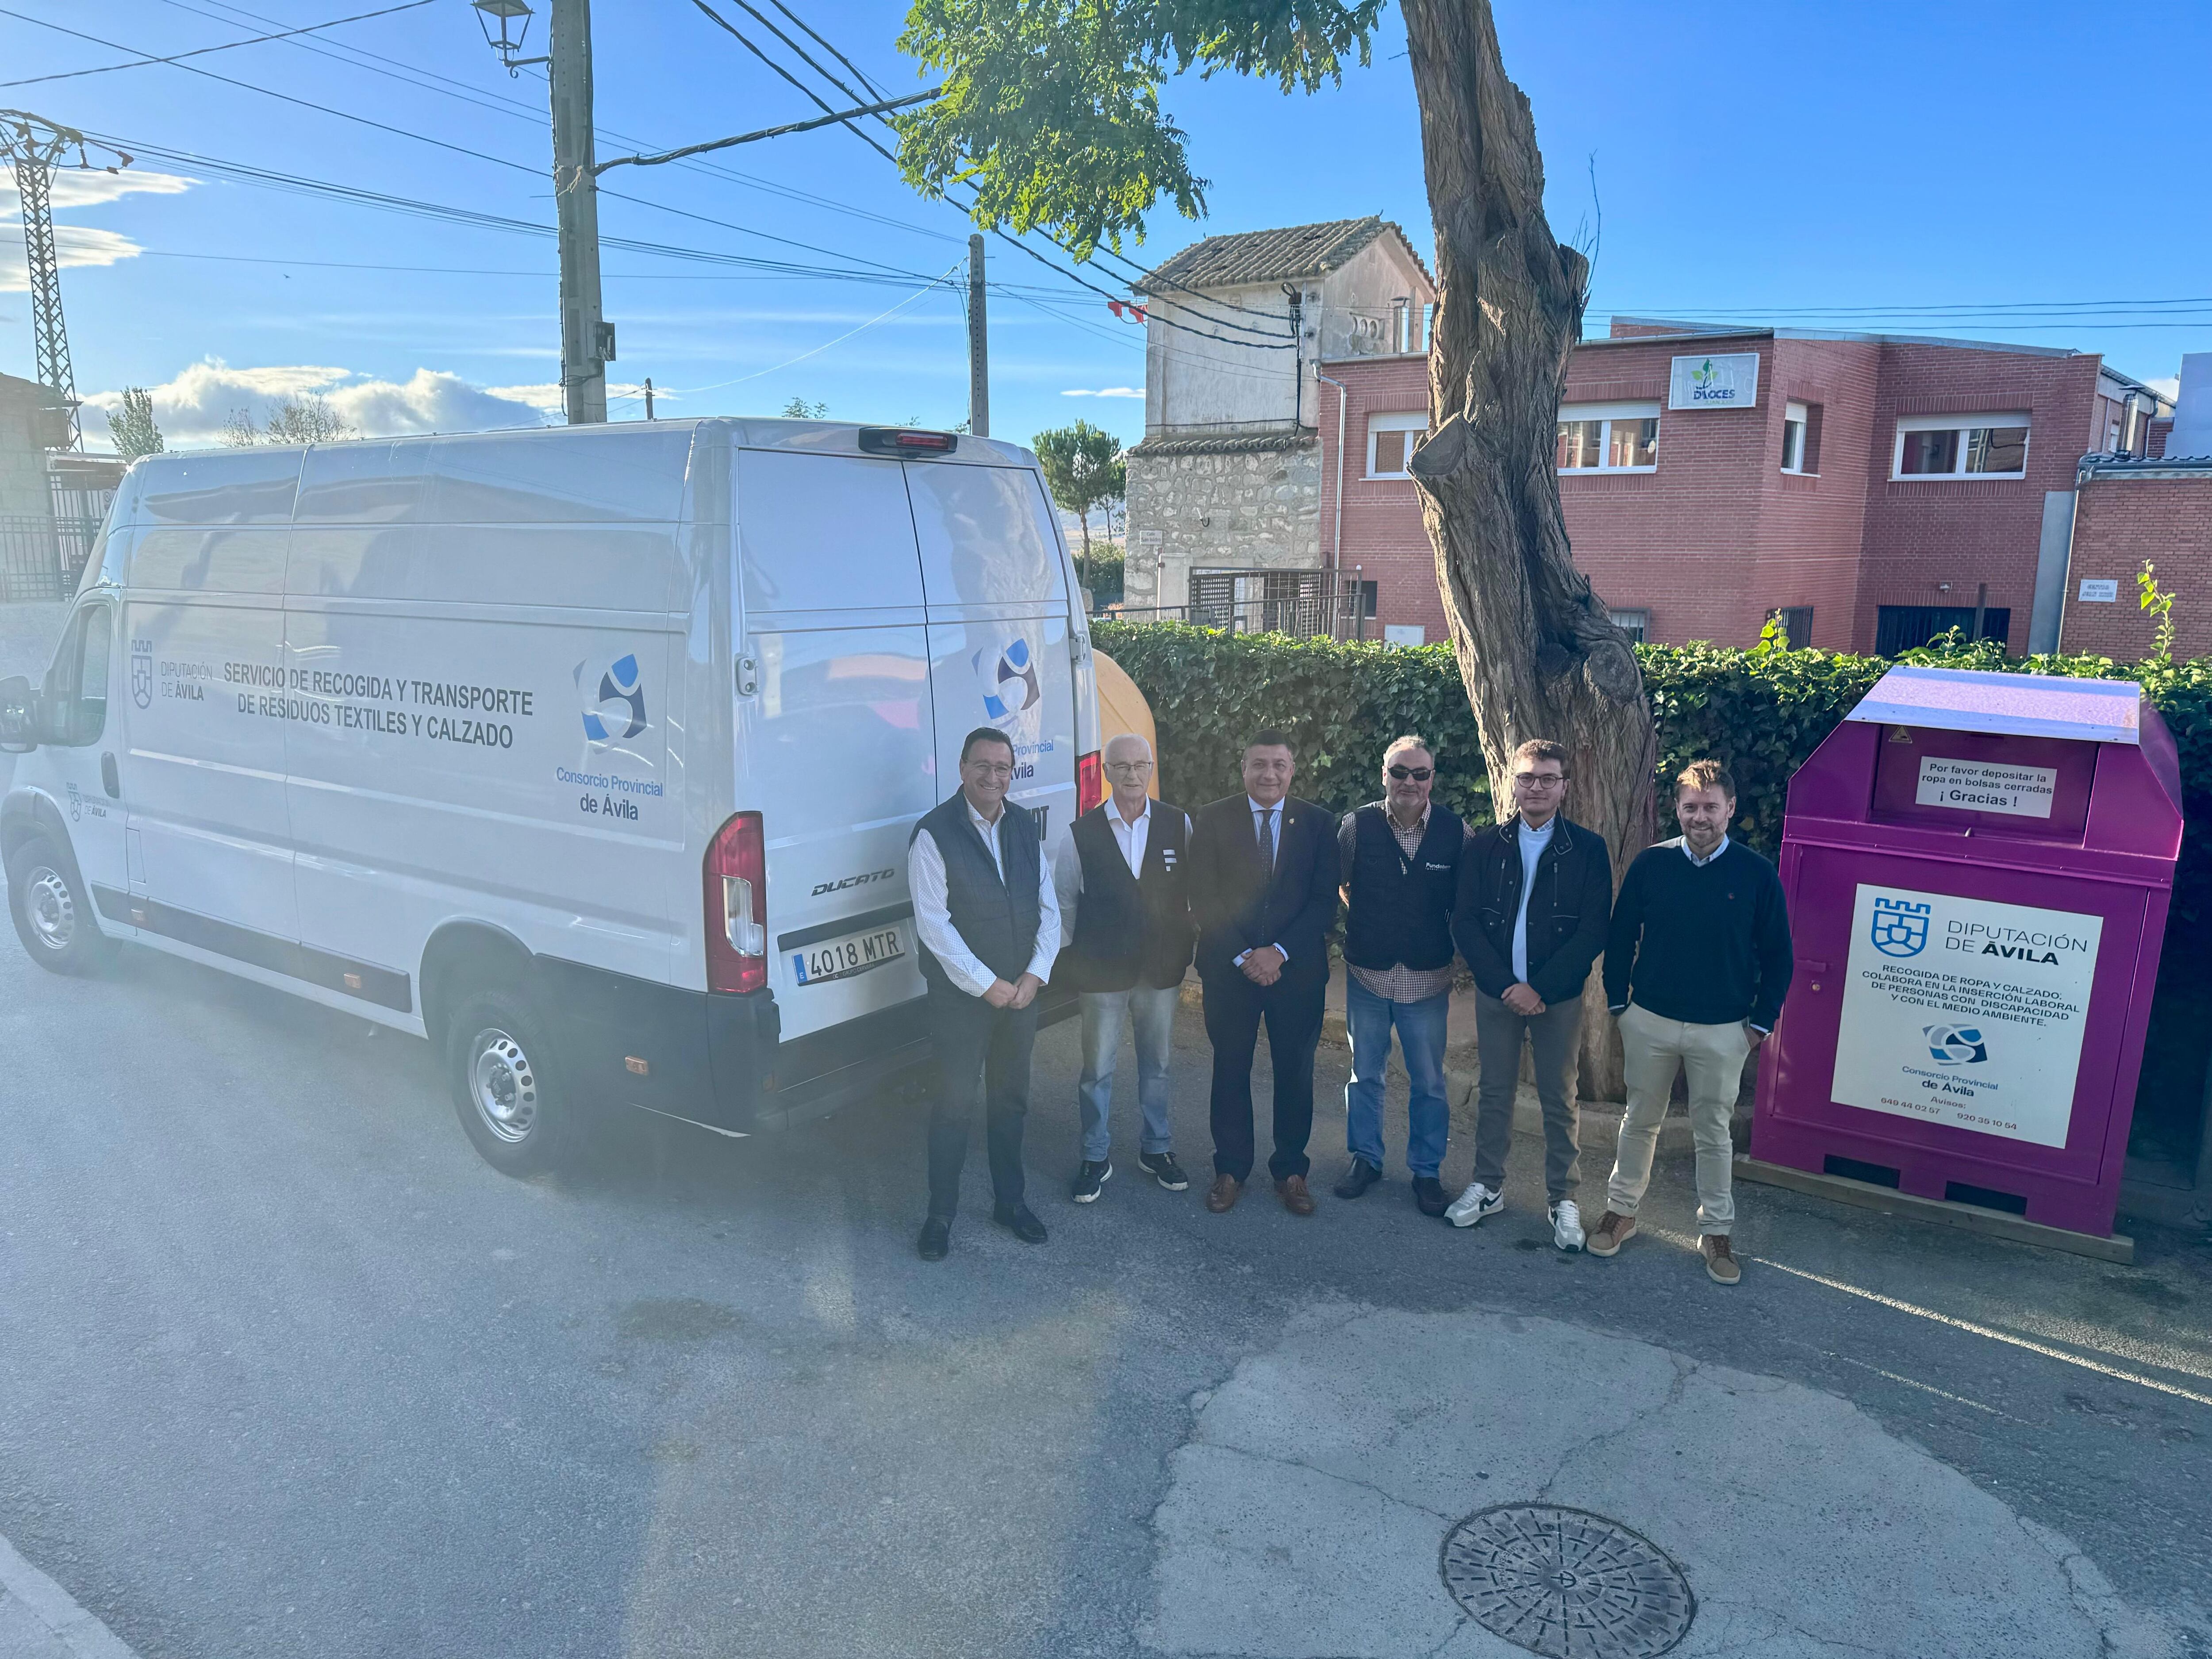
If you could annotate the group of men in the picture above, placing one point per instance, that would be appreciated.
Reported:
(1696, 948)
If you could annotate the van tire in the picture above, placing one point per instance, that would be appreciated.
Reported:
(508, 1086)
(52, 910)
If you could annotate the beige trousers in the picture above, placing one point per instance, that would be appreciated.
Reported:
(1652, 1049)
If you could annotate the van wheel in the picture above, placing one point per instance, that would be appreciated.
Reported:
(506, 1083)
(53, 910)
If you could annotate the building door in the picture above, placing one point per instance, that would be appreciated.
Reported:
(1908, 627)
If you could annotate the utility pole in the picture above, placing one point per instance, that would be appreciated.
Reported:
(978, 345)
(33, 144)
(648, 397)
(587, 341)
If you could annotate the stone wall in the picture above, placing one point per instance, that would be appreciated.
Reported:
(1219, 503)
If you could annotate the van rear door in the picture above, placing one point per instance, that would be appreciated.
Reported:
(835, 742)
(995, 588)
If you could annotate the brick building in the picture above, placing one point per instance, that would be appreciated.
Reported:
(2133, 508)
(1868, 491)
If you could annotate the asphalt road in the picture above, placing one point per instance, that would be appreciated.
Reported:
(286, 1370)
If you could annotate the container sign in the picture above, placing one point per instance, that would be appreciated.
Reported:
(2100, 590)
(1965, 1013)
(1971, 785)
(1723, 380)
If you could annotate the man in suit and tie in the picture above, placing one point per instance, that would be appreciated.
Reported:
(989, 925)
(1263, 879)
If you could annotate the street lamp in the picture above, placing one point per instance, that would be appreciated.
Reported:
(506, 11)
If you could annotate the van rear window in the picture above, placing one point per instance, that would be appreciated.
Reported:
(985, 536)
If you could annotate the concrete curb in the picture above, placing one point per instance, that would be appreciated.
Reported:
(73, 1634)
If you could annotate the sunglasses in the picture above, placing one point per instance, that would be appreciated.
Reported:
(1418, 773)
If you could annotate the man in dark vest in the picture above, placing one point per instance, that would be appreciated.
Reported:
(1120, 877)
(1263, 887)
(1536, 893)
(989, 925)
(1399, 859)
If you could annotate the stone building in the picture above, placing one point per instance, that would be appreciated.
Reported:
(1224, 491)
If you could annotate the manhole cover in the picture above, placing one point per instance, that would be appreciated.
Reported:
(1566, 1583)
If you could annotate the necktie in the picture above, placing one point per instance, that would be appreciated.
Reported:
(1265, 826)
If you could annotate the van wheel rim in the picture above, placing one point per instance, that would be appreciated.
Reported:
(51, 907)
(503, 1084)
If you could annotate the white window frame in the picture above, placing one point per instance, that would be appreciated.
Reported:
(1962, 424)
(1405, 421)
(1798, 416)
(1638, 618)
(1606, 414)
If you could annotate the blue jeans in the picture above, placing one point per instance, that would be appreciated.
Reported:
(1150, 1016)
(1421, 1037)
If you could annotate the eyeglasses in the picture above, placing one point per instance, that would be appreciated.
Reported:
(1418, 773)
(1537, 780)
(990, 769)
(1128, 766)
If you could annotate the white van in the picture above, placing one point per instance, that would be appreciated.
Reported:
(590, 755)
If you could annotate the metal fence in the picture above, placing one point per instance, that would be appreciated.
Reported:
(43, 558)
(1303, 604)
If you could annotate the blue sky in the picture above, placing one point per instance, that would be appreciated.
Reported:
(1823, 166)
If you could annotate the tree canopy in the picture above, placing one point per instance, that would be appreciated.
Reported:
(1051, 114)
(1084, 468)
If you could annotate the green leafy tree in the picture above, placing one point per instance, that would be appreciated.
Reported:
(2155, 601)
(132, 430)
(799, 409)
(1083, 467)
(1050, 113)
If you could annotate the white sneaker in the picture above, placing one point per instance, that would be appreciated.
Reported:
(1567, 1226)
(1471, 1205)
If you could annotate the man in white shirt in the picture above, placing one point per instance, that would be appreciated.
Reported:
(989, 925)
(1119, 874)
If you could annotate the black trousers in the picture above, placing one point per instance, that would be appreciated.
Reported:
(983, 1053)
(1234, 1007)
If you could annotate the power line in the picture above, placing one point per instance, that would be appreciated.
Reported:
(202, 51)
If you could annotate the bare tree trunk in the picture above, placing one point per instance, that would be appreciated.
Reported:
(1540, 656)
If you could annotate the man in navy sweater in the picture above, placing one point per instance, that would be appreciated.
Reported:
(1695, 972)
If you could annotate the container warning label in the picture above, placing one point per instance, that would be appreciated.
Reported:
(1971, 785)
(1965, 1012)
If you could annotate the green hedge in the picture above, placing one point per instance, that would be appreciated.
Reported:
(1762, 711)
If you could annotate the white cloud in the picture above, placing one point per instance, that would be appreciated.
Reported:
(2169, 388)
(1106, 392)
(192, 409)
(78, 245)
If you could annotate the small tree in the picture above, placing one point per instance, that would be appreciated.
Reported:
(238, 431)
(1083, 466)
(799, 409)
(309, 419)
(133, 432)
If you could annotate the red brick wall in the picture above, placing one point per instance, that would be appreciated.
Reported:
(2120, 522)
(1382, 529)
(1921, 534)
(2155, 433)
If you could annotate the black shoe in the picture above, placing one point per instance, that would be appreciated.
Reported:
(1020, 1223)
(1163, 1168)
(1091, 1180)
(936, 1239)
(1358, 1178)
(1429, 1194)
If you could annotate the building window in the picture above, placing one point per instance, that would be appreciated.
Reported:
(1796, 623)
(1391, 441)
(1636, 624)
(1907, 627)
(1954, 447)
(1608, 437)
(1800, 439)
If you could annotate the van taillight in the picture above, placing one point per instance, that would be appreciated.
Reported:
(736, 891)
(1090, 781)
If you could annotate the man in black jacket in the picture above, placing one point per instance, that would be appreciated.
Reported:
(1263, 871)
(1127, 920)
(1400, 868)
(1530, 918)
(1695, 972)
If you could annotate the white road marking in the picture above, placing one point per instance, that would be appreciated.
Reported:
(79, 1634)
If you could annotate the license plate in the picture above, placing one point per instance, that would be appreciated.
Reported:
(840, 958)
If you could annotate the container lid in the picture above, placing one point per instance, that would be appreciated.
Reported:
(2014, 705)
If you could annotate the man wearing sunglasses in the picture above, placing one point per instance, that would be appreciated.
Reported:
(1535, 894)
(1399, 859)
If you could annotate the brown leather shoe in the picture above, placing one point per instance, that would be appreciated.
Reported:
(1720, 1259)
(1221, 1197)
(1612, 1231)
(1295, 1199)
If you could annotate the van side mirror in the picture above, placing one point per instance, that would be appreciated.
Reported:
(19, 716)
